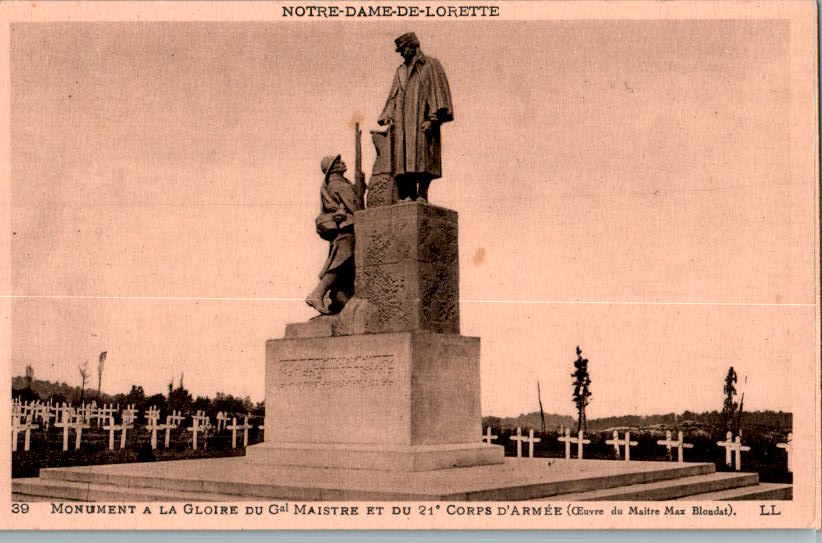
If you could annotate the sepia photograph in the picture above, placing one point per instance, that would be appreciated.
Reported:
(411, 265)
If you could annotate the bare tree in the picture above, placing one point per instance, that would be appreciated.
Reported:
(100, 365)
(29, 376)
(738, 425)
(541, 412)
(83, 376)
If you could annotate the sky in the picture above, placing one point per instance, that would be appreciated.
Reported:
(625, 186)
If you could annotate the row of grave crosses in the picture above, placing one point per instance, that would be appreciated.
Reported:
(626, 443)
(129, 415)
(21, 424)
(152, 416)
(733, 447)
(70, 419)
(80, 418)
(44, 412)
(23, 416)
(580, 441)
(202, 423)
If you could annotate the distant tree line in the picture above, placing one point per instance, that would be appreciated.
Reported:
(26, 388)
(707, 419)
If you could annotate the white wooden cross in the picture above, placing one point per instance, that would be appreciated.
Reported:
(152, 413)
(28, 427)
(103, 414)
(615, 442)
(519, 438)
(739, 448)
(245, 428)
(728, 444)
(488, 437)
(788, 446)
(16, 427)
(735, 446)
(87, 411)
(579, 440)
(153, 416)
(78, 423)
(531, 441)
(222, 420)
(44, 413)
(27, 409)
(127, 424)
(111, 427)
(49, 412)
(173, 420)
(64, 421)
(100, 416)
(567, 439)
(16, 408)
(678, 443)
(199, 423)
(129, 414)
(79, 412)
(234, 427)
(627, 443)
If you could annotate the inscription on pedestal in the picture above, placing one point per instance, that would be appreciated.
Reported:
(346, 371)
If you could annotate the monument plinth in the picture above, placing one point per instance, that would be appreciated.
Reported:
(406, 401)
(388, 383)
(407, 275)
(407, 265)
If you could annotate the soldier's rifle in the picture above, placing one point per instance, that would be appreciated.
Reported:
(359, 175)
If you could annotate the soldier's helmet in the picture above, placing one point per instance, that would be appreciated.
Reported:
(327, 164)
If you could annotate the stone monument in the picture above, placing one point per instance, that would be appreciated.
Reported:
(387, 382)
(379, 395)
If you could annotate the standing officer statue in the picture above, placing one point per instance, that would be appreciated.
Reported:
(418, 103)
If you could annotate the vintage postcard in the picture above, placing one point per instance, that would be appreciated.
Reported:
(359, 265)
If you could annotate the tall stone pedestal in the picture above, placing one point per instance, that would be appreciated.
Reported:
(407, 266)
(407, 401)
(388, 383)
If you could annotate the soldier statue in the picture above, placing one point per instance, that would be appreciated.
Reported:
(418, 103)
(339, 200)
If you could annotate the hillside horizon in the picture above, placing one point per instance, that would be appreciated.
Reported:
(553, 421)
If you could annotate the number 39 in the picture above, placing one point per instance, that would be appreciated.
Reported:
(20, 508)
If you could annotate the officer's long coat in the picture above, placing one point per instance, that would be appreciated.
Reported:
(422, 95)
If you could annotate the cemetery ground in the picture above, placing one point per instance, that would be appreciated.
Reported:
(46, 451)
(764, 457)
(765, 436)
